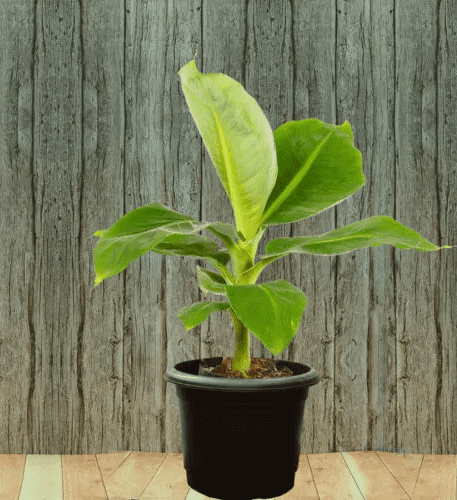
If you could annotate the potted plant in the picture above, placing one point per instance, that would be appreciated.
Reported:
(241, 418)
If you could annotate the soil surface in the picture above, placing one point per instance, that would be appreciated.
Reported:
(260, 368)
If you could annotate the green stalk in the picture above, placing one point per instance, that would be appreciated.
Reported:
(243, 258)
(241, 359)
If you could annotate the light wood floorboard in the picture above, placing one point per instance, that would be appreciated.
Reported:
(372, 475)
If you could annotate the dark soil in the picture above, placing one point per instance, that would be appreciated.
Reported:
(260, 368)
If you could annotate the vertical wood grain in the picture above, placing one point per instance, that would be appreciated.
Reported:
(98, 350)
(353, 103)
(148, 146)
(379, 161)
(55, 413)
(445, 291)
(94, 123)
(418, 275)
(181, 178)
(17, 226)
(313, 73)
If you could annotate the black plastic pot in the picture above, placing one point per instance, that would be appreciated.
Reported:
(241, 437)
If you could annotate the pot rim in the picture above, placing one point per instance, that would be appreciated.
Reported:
(185, 374)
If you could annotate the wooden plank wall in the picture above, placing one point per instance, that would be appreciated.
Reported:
(94, 124)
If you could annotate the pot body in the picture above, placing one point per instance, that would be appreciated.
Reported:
(241, 437)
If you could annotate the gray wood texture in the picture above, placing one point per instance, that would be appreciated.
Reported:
(94, 124)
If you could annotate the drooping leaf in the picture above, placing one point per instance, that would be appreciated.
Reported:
(195, 314)
(271, 311)
(371, 232)
(156, 228)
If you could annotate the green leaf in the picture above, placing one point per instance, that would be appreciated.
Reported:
(195, 314)
(157, 228)
(271, 311)
(211, 282)
(238, 138)
(318, 167)
(372, 232)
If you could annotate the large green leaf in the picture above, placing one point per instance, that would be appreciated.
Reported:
(371, 232)
(238, 138)
(195, 314)
(157, 228)
(271, 311)
(318, 167)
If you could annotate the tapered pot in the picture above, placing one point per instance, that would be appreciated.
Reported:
(241, 437)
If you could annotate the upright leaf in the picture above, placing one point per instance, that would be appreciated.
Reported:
(239, 141)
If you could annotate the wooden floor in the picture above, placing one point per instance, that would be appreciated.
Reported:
(147, 476)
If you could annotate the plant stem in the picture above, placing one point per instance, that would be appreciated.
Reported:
(243, 258)
(241, 359)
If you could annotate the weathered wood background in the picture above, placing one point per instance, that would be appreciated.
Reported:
(94, 124)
